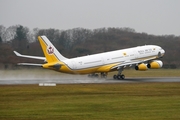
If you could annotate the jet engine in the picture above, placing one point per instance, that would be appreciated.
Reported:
(155, 64)
(141, 67)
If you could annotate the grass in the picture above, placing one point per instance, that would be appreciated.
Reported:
(147, 101)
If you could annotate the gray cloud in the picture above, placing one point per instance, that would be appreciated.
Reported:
(157, 17)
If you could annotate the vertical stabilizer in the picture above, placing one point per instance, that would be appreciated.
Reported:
(50, 52)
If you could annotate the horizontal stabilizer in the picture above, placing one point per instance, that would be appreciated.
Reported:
(30, 64)
(27, 56)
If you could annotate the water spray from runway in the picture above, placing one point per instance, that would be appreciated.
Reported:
(39, 76)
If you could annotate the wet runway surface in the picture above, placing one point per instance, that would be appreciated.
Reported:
(21, 81)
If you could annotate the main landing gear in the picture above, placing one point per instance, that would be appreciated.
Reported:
(94, 75)
(119, 76)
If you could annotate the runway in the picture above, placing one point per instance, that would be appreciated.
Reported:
(25, 81)
(36, 76)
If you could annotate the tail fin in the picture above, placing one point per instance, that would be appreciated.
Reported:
(50, 52)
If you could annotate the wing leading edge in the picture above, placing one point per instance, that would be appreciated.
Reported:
(132, 62)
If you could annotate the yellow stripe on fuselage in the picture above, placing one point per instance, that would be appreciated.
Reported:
(65, 69)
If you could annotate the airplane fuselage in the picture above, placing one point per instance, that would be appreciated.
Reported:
(103, 62)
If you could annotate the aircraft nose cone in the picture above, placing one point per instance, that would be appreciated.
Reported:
(163, 51)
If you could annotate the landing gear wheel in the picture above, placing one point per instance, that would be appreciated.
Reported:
(104, 75)
(93, 76)
(119, 77)
(122, 77)
(96, 75)
(115, 77)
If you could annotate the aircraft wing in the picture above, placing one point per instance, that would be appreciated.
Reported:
(27, 56)
(132, 62)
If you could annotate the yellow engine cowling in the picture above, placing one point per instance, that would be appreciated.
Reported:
(155, 64)
(141, 67)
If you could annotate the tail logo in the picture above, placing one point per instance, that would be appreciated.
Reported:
(50, 50)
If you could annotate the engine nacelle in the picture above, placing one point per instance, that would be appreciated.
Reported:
(155, 64)
(141, 67)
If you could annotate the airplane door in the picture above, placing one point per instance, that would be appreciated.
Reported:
(102, 61)
(136, 54)
(74, 65)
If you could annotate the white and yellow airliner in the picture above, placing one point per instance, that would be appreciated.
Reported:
(141, 57)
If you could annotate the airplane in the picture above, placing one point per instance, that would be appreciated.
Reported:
(141, 58)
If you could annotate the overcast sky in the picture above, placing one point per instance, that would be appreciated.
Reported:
(158, 17)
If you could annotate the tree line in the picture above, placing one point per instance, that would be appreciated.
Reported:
(80, 41)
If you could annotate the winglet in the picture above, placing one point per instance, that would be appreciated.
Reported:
(17, 54)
